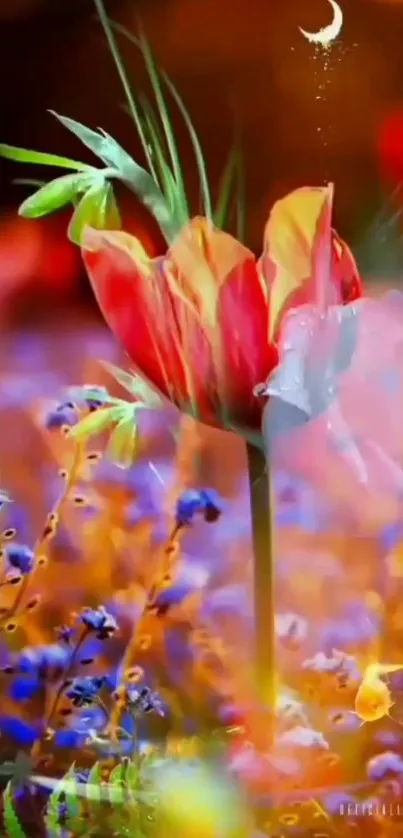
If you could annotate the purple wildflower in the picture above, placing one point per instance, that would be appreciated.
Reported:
(64, 634)
(20, 557)
(386, 764)
(338, 663)
(64, 414)
(99, 621)
(43, 661)
(192, 502)
(303, 737)
(143, 701)
(84, 690)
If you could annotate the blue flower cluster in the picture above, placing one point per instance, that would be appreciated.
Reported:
(20, 557)
(98, 620)
(192, 502)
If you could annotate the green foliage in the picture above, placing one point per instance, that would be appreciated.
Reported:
(97, 208)
(97, 806)
(24, 155)
(12, 826)
(135, 385)
(55, 195)
(119, 417)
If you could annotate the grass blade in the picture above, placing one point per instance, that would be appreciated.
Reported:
(241, 200)
(223, 207)
(166, 124)
(134, 111)
(197, 149)
(168, 182)
(25, 155)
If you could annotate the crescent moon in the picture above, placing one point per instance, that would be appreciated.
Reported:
(327, 33)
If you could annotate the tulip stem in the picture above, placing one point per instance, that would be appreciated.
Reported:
(264, 612)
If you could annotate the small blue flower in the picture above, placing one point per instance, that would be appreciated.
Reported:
(198, 501)
(99, 621)
(20, 557)
(19, 731)
(43, 661)
(84, 690)
(65, 414)
(143, 700)
(69, 738)
(22, 689)
(64, 634)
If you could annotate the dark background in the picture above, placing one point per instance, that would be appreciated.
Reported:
(306, 116)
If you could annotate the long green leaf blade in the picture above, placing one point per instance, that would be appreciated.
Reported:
(241, 201)
(24, 155)
(122, 444)
(223, 207)
(166, 124)
(134, 111)
(198, 152)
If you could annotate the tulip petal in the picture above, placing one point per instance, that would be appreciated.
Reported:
(145, 304)
(247, 356)
(136, 302)
(289, 240)
(217, 275)
(345, 272)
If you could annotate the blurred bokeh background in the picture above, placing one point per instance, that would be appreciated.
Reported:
(306, 117)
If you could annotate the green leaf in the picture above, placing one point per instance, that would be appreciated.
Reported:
(94, 783)
(198, 152)
(118, 775)
(117, 784)
(103, 146)
(222, 210)
(54, 195)
(197, 149)
(133, 776)
(11, 823)
(166, 178)
(167, 126)
(24, 155)
(134, 176)
(95, 422)
(135, 385)
(52, 815)
(122, 443)
(132, 105)
(98, 209)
